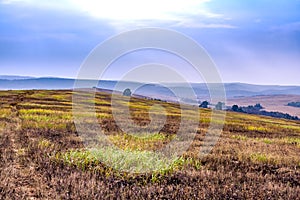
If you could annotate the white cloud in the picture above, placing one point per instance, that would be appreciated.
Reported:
(143, 9)
(9, 1)
(39, 3)
(195, 24)
(137, 13)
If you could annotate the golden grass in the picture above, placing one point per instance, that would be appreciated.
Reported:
(141, 141)
(5, 112)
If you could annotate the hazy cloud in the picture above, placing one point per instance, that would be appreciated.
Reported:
(52, 38)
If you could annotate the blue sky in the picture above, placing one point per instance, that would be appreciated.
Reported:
(252, 41)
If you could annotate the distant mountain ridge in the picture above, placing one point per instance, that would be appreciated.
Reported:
(150, 90)
(11, 77)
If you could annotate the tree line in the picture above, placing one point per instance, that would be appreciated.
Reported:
(294, 104)
(256, 109)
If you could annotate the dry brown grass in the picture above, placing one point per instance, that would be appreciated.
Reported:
(255, 158)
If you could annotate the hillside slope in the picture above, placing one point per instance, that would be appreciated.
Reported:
(163, 91)
(42, 155)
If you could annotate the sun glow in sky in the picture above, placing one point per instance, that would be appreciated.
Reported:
(141, 9)
(253, 41)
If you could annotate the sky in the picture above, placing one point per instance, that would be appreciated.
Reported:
(250, 41)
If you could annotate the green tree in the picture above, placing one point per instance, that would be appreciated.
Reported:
(127, 92)
(204, 104)
(235, 108)
(258, 106)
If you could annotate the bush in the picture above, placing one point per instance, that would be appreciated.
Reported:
(294, 104)
(204, 104)
(235, 108)
(127, 92)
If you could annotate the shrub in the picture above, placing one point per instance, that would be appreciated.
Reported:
(127, 92)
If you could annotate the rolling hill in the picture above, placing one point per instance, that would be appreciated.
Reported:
(43, 156)
(151, 90)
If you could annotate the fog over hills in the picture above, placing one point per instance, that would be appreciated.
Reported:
(164, 91)
(9, 77)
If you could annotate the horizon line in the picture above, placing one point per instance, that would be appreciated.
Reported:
(27, 77)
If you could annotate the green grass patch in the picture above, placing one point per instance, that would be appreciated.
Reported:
(62, 97)
(291, 127)
(287, 140)
(46, 107)
(47, 118)
(139, 106)
(5, 112)
(267, 141)
(128, 163)
(42, 112)
(46, 125)
(79, 158)
(103, 115)
(239, 137)
(44, 143)
(140, 141)
(292, 141)
(40, 94)
(259, 157)
(255, 128)
(147, 137)
(205, 120)
(133, 160)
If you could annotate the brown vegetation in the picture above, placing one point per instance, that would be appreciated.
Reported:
(43, 157)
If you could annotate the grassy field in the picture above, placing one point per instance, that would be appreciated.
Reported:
(43, 157)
